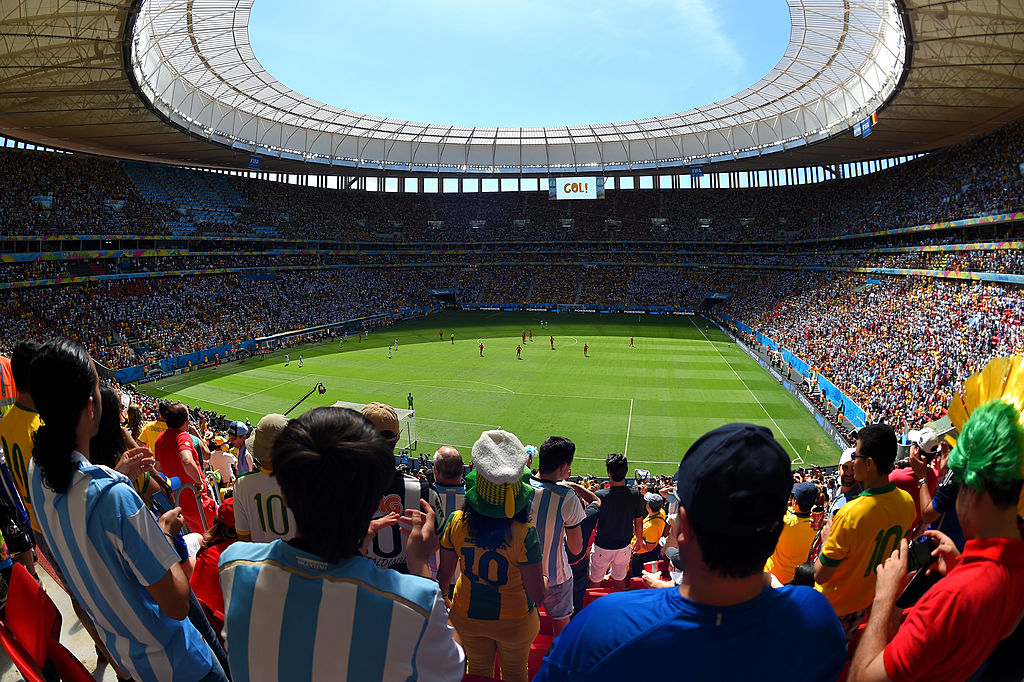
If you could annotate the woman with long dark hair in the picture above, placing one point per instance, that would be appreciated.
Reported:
(113, 446)
(115, 557)
(492, 539)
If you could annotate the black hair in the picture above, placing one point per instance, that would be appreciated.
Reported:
(135, 421)
(21, 363)
(107, 446)
(878, 441)
(491, 533)
(175, 414)
(617, 466)
(1004, 496)
(803, 575)
(554, 452)
(740, 556)
(63, 379)
(326, 450)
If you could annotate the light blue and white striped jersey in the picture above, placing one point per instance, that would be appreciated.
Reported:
(452, 497)
(289, 615)
(110, 547)
(555, 508)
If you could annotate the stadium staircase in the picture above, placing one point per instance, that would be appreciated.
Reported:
(578, 294)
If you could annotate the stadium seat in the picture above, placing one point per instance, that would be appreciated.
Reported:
(32, 639)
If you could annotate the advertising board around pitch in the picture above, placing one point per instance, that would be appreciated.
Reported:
(576, 188)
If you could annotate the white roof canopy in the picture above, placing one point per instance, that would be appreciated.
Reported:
(193, 62)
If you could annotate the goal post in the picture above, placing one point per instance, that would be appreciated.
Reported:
(408, 439)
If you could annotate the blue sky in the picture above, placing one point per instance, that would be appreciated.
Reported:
(519, 62)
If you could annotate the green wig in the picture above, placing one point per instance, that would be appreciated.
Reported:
(990, 448)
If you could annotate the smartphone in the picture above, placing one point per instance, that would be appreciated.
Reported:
(919, 554)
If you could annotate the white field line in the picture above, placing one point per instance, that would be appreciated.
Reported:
(452, 421)
(629, 424)
(415, 382)
(232, 403)
(779, 428)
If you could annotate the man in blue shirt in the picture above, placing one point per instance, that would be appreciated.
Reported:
(722, 620)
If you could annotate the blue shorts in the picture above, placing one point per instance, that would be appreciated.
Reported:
(558, 602)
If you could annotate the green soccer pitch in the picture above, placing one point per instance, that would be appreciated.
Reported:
(683, 378)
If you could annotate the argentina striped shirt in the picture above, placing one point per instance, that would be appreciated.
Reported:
(292, 616)
(555, 508)
(110, 547)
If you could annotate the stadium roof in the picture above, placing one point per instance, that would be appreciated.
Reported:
(176, 81)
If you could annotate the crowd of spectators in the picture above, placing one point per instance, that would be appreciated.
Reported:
(729, 547)
(977, 177)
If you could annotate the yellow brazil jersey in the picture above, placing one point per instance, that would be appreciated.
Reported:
(792, 548)
(17, 435)
(654, 528)
(490, 586)
(864, 533)
(149, 434)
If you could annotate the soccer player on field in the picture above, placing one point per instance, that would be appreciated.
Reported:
(453, 339)
(585, 349)
(481, 349)
(519, 351)
(552, 340)
(631, 342)
(524, 336)
(389, 352)
(531, 335)
(287, 359)
(440, 335)
(300, 360)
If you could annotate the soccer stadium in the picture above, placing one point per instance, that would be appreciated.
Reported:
(294, 392)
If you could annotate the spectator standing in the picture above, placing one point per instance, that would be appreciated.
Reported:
(722, 621)
(205, 579)
(261, 514)
(797, 534)
(849, 487)
(619, 520)
(388, 547)
(114, 555)
(448, 480)
(579, 562)
(17, 434)
(498, 550)
(322, 610)
(237, 433)
(223, 461)
(924, 445)
(655, 524)
(951, 630)
(176, 456)
(557, 515)
(865, 530)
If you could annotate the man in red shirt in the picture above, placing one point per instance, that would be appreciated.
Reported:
(519, 351)
(585, 349)
(177, 456)
(924, 445)
(954, 627)
(481, 349)
(552, 343)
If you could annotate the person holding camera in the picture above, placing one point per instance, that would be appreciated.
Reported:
(957, 624)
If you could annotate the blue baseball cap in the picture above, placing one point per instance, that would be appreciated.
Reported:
(238, 429)
(735, 480)
(806, 495)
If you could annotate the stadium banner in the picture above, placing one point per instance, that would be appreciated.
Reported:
(576, 188)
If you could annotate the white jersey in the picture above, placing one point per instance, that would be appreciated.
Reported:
(260, 509)
(388, 547)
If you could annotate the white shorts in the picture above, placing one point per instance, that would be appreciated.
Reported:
(601, 559)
